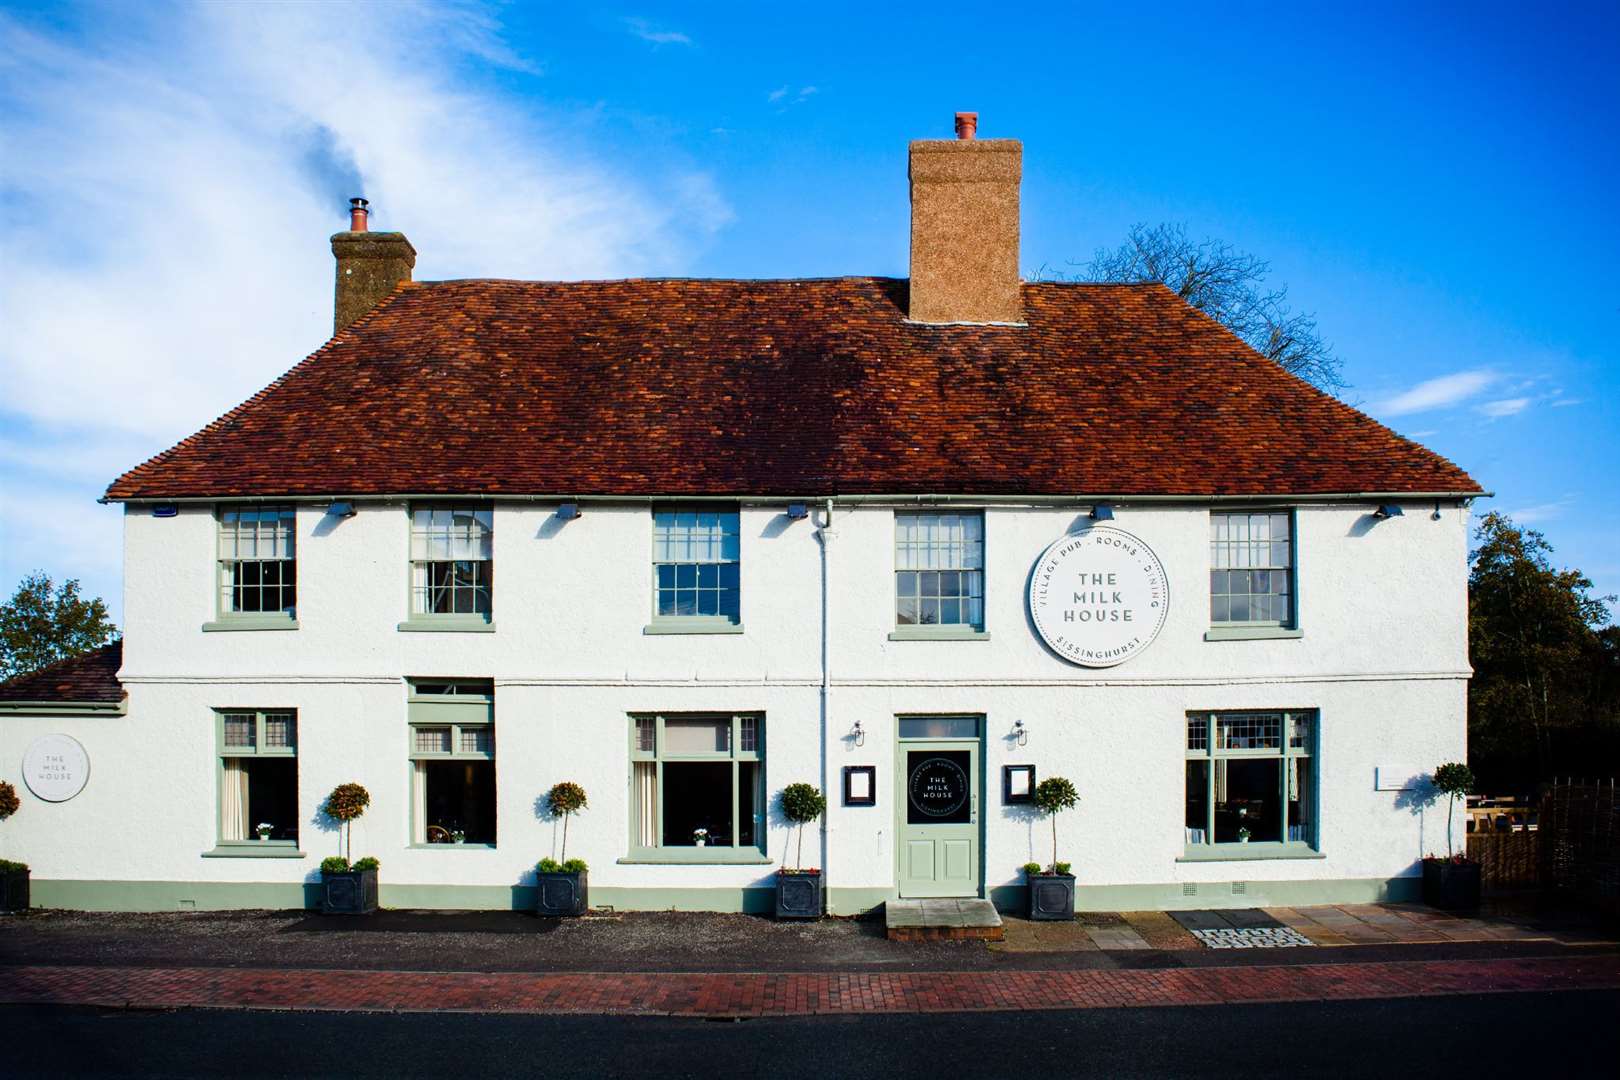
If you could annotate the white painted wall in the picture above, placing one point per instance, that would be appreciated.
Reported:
(1383, 657)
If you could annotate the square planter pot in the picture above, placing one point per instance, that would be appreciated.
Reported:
(14, 890)
(353, 892)
(561, 894)
(1051, 897)
(798, 894)
(1451, 886)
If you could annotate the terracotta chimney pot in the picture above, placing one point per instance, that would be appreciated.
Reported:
(967, 125)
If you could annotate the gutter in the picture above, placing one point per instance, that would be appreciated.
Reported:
(64, 708)
(1074, 499)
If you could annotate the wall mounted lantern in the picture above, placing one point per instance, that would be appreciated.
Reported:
(857, 734)
(1020, 734)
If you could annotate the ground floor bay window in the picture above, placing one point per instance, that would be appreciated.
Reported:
(452, 751)
(696, 787)
(258, 779)
(1251, 782)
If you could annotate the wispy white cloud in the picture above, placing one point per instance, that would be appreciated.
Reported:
(1504, 407)
(171, 174)
(1540, 512)
(1439, 393)
(646, 31)
(786, 96)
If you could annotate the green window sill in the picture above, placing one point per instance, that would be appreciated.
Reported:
(1251, 852)
(251, 622)
(938, 633)
(696, 856)
(696, 624)
(448, 624)
(1251, 633)
(461, 847)
(254, 849)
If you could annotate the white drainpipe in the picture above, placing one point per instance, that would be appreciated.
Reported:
(824, 536)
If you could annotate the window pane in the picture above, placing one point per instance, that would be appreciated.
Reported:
(278, 730)
(939, 577)
(431, 740)
(272, 797)
(747, 803)
(459, 796)
(687, 736)
(241, 729)
(1197, 817)
(939, 727)
(1301, 808)
(646, 730)
(697, 795)
(1248, 793)
(476, 740)
(748, 735)
(1248, 731)
(1197, 733)
(1257, 547)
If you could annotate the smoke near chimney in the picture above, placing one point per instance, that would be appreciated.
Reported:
(369, 265)
(964, 228)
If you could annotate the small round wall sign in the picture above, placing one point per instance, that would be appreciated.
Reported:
(55, 767)
(1099, 596)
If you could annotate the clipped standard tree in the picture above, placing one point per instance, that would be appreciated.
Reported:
(1051, 891)
(13, 875)
(798, 891)
(561, 887)
(348, 889)
(1452, 883)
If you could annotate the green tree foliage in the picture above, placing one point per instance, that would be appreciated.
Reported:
(1545, 697)
(1228, 286)
(1052, 796)
(42, 624)
(564, 800)
(802, 804)
(1454, 780)
(347, 802)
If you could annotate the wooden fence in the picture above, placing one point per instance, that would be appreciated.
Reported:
(1580, 843)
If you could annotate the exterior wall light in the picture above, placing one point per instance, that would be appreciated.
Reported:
(798, 511)
(1388, 510)
(1102, 512)
(1020, 733)
(568, 511)
(341, 509)
(857, 734)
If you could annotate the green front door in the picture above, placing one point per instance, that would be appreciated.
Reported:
(938, 784)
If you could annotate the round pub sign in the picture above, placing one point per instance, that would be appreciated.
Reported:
(1098, 597)
(55, 767)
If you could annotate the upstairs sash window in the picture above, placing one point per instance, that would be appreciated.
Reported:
(697, 565)
(452, 561)
(939, 570)
(1251, 569)
(258, 570)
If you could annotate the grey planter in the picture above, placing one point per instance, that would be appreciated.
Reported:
(353, 892)
(14, 890)
(1051, 897)
(798, 894)
(1451, 886)
(560, 894)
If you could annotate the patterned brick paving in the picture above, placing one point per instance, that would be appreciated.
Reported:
(702, 995)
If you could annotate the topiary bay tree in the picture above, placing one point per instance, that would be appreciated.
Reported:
(1454, 780)
(564, 800)
(802, 804)
(1053, 796)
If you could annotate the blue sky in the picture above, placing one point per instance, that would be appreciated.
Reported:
(1436, 185)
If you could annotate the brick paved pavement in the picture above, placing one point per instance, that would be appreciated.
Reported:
(700, 995)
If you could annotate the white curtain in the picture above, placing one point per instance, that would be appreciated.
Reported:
(233, 801)
(419, 804)
(646, 785)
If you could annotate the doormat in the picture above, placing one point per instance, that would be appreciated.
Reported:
(1257, 937)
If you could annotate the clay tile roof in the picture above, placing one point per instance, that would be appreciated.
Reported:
(806, 387)
(89, 678)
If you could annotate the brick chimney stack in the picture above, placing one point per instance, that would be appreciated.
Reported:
(964, 228)
(369, 265)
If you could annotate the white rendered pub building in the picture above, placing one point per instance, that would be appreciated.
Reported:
(919, 542)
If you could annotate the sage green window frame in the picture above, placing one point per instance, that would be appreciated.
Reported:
(727, 572)
(1290, 751)
(1229, 628)
(418, 616)
(259, 748)
(917, 561)
(280, 536)
(656, 755)
(467, 706)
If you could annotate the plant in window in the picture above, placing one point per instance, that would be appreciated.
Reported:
(802, 804)
(564, 800)
(700, 837)
(1052, 796)
(264, 829)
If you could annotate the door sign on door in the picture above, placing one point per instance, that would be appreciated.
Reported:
(938, 788)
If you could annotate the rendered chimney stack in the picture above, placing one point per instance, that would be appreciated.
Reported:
(369, 265)
(964, 228)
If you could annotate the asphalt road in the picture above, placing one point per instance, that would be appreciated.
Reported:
(1566, 1033)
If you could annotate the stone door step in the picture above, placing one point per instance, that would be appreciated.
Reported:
(942, 920)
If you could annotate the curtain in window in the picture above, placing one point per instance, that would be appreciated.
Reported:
(646, 793)
(419, 803)
(233, 801)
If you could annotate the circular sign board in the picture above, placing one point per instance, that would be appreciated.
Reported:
(939, 787)
(1099, 596)
(55, 767)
